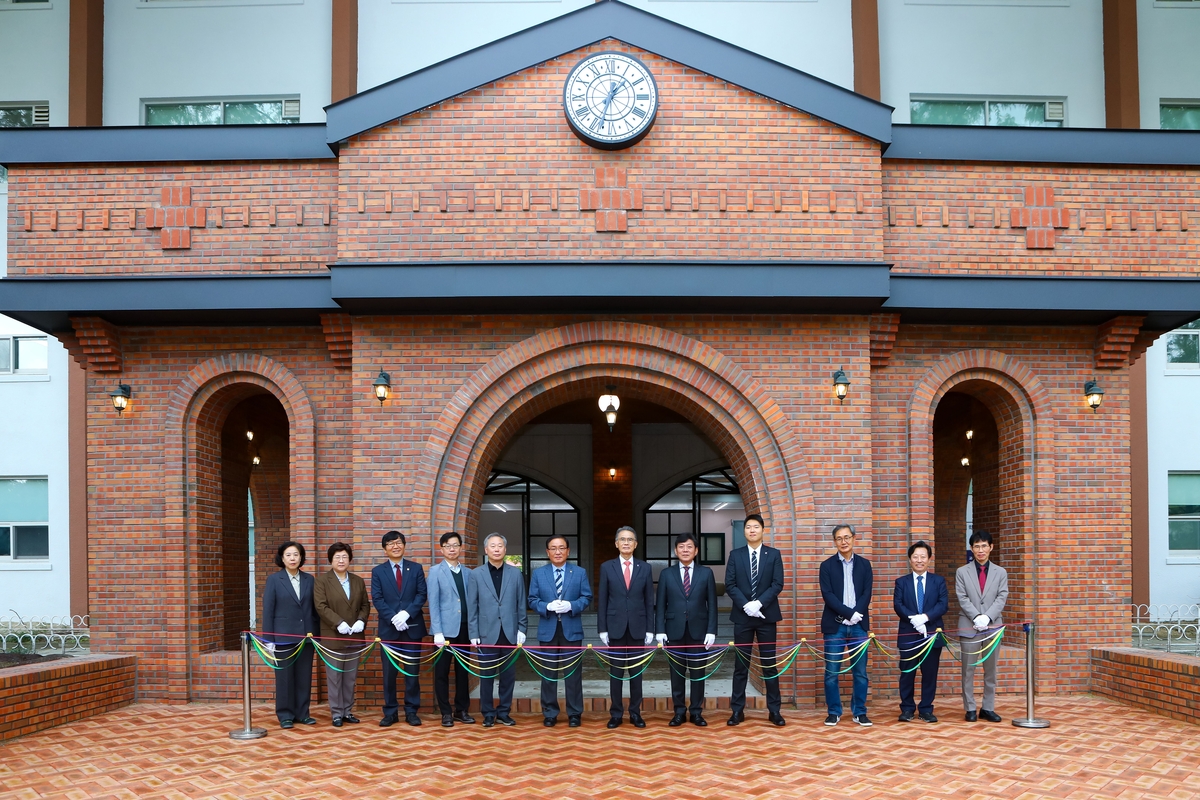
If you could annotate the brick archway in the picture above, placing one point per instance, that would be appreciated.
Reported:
(556, 366)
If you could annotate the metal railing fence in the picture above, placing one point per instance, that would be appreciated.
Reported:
(44, 634)
(1173, 628)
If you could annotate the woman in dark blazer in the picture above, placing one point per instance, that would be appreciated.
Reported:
(288, 615)
(341, 602)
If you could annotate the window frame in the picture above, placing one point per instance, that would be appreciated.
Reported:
(1172, 553)
(224, 100)
(1044, 100)
(1176, 102)
(33, 106)
(700, 485)
(13, 525)
(1183, 367)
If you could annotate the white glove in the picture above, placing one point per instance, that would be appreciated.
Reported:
(753, 608)
(358, 627)
(558, 606)
(857, 618)
(270, 647)
(661, 637)
(918, 619)
(920, 626)
(343, 629)
(649, 638)
(439, 640)
(981, 622)
(709, 638)
(604, 638)
(474, 642)
(403, 626)
(520, 638)
(398, 619)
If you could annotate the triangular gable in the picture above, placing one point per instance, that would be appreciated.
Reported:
(608, 19)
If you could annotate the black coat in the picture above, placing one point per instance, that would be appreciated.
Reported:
(624, 610)
(770, 583)
(283, 613)
(832, 584)
(695, 613)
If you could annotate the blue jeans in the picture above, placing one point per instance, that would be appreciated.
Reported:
(847, 637)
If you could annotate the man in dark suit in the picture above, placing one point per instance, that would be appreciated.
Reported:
(398, 591)
(559, 592)
(753, 580)
(920, 600)
(686, 617)
(625, 621)
(846, 581)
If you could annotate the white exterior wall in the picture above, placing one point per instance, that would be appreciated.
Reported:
(1168, 55)
(1173, 439)
(215, 49)
(396, 37)
(1015, 48)
(34, 60)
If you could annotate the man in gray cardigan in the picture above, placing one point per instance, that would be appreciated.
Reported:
(447, 583)
(496, 619)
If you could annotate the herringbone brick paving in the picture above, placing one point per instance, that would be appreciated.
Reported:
(1094, 749)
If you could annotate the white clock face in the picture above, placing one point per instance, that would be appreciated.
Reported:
(610, 100)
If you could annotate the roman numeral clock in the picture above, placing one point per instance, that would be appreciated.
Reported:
(610, 100)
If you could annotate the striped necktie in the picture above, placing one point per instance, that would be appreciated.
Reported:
(687, 580)
(558, 582)
(753, 575)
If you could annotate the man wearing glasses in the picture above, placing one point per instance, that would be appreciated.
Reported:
(846, 581)
(625, 622)
(559, 592)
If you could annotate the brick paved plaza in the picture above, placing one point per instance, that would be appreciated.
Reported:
(1094, 749)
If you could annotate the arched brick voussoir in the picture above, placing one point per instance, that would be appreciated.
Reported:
(641, 353)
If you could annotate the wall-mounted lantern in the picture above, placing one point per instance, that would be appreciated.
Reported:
(121, 397)
(965, 461)
(382, 386)
(841, 385)
(1094, 395)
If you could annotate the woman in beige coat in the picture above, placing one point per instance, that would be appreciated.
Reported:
(341, 600)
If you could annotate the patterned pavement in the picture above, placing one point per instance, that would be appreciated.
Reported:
(1094, 749)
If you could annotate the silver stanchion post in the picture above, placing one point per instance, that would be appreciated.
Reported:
(246, 731)
(1030, 721)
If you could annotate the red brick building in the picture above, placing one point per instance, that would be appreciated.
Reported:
(450, 229)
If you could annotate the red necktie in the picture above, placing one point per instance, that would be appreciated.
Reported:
(628, 576)
(399, 582)
(982, 578)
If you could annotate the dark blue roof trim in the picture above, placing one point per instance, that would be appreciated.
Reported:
(607, 19)
(1047, 145)
(166, 143)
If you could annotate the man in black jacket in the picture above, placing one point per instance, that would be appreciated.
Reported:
(625, 621)
(754, 579)
(687, 619)
(846, 581)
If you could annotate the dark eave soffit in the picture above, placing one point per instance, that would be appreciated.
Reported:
(607, 19)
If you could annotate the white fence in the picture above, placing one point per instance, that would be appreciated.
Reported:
(1173, 628)
(44, 634)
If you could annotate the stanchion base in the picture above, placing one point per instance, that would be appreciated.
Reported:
(1031, 723)
(248, 733)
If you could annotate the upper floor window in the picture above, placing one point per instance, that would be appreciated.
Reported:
(24, 115)
(24, 518)
(1031, 113)
(23, 354)
(708, 506)
(236, 111)
(1183, 347)
(1183, 511)
(1179, 115)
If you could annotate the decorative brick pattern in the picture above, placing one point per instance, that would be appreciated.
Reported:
(883, 337)
(1115, 340)
(339, 337)
(1039, 216)
(36, 696)
(1165, 683)
(99, 342)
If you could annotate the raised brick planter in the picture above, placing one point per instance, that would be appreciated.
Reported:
(35, 697)
(1166, 683)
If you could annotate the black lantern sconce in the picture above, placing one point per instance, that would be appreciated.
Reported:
(609, 403)
(841, 385)
(1094, 395)
(121, 397)
(382, 386)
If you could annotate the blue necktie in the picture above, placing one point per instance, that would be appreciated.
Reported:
(920, 592)
(558, 582)
(753, 575)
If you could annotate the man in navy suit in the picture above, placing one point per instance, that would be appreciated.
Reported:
(846, 581)
(920, 600)
(686, 617)
(625, 621)
(753, 580)
(559, 592)
(398, 591)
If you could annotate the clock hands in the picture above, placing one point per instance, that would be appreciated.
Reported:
(612, 92)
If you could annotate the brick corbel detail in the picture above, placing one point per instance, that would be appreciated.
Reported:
(883, 338)
(1115, 340)
(1142, 343)
(339, 338)
(100, 342)
(74, 348)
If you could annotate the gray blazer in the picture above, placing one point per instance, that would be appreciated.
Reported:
(971, 604)
(487, 614)
(445, 612)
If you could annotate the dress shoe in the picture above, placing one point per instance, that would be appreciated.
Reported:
(777, 720)
(574, 722)
(506, 720)
(699, 721)
(971, 716)
(413, 719)
(287, 723)
(337, 722)
(464, 717)
(736, 718)
(311, 721)
(550, 722)
(353, 720)
(613, 722)
(447, 721)
(677, 720)
(489, 722)
(990, 716)
(390, 719)
(637, 721)
(928, 716)
(906, 716)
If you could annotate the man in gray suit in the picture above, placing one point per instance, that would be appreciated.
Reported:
(982, 589)
(447, 584)
(496, 620)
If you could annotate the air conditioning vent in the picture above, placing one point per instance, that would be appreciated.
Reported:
(291, 109)
(41, 115)
(1055, 110)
